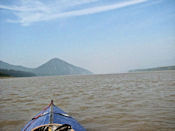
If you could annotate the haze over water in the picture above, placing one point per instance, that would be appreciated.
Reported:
(131, 101)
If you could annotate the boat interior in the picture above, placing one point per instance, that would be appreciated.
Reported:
(54, 127)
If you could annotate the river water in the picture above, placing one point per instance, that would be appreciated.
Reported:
(130, 101)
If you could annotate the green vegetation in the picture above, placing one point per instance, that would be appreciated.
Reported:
(14, 73)
(155, 69)
(4, 75)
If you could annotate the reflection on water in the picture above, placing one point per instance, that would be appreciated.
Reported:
(134, 101)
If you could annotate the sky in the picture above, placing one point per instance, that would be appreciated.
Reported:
(103, 36)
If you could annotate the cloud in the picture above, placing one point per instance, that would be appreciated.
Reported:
(30, 11)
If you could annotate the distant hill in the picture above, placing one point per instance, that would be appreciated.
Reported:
(52, 67)
(15, 73)
(59, 67)
(4, 65)
(155, 69)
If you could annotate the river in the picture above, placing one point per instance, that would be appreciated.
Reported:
(128, 101)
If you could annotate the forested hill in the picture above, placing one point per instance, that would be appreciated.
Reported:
(14, 73)
(155, 69)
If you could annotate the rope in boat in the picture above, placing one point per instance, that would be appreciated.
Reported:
(64, 127)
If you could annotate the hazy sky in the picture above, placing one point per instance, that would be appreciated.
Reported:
(104, 36)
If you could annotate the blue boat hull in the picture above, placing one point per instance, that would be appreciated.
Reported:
(52, 115)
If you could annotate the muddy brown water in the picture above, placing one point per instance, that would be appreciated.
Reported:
(131, 101)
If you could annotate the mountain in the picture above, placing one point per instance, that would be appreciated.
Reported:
(155, 69)
(54, 66)
(59, 67)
